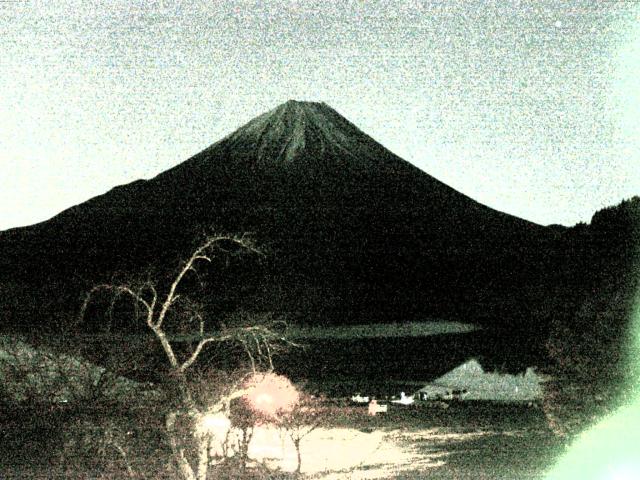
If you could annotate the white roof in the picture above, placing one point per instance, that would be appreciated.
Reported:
(480, 385)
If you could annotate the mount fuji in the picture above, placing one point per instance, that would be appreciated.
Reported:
(352, 233)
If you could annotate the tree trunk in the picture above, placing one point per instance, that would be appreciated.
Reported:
(203, 456)
(186, 472)
(299, 456)
(247, 433)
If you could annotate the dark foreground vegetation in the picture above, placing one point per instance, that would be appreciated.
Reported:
(474, 440)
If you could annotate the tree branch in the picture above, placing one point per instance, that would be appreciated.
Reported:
(198, 254)
(119, 290)
(194, 355)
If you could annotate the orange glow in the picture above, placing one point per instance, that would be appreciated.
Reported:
(271, 394)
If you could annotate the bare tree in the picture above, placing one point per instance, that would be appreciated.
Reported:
(300, 422)
(154, 308)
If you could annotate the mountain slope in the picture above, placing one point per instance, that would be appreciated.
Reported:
(353, 232)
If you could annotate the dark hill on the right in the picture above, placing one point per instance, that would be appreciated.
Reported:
(590, 315)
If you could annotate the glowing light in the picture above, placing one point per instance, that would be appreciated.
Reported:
(214, 423)
(271, 394)
(625, 472)
(605, 452)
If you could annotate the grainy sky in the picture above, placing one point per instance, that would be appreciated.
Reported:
(531, 107)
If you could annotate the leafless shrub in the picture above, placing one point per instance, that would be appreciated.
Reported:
(190, 443)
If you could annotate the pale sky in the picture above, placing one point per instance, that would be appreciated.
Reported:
(530, 107)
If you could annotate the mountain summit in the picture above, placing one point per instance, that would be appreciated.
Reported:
(309, 138)
(298, 130)
(354, 233)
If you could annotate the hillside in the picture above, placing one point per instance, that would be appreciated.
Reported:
(592, 340)
(352, 233)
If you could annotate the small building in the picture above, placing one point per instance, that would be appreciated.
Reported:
(404, 399)
(357, 398)
(375, 408)
(469, 381)
(438, 392)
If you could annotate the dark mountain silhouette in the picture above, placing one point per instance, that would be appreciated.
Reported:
(352, 232)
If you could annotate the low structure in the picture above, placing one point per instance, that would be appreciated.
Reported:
(359, 399)
(404, 399)
(375, 408)
(470, 382)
